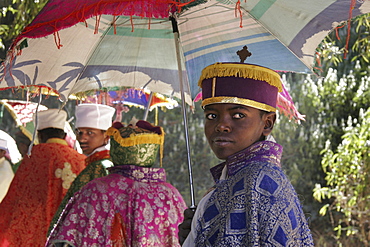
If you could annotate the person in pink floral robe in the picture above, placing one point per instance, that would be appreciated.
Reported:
(133, 205)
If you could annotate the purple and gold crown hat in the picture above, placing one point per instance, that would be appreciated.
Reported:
(240, 83)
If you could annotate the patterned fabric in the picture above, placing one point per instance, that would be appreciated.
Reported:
(255, 205)
(132, 203)
(98, 155)
(144, 154)
(96, 167)
(136, 144)
(36, 191)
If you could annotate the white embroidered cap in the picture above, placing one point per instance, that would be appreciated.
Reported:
(51, 118)
(4, 145)
(94, 116)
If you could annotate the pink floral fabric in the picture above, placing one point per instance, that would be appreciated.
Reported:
(150, 210)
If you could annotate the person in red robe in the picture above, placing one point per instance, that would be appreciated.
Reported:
(41, 182)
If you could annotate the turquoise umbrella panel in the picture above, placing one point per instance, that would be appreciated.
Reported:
(135, 56)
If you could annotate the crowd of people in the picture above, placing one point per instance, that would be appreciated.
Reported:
(114, 193)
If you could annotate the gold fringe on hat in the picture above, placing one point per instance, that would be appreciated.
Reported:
(241, 70)
(136, 139)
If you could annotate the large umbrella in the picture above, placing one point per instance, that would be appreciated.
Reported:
(74, 11)
(281, 35)
(140, 52)
(22, 112)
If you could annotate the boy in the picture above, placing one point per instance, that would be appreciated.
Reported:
(92, 122)
(253, 202)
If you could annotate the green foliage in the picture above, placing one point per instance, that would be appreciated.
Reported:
(15, 15)
(331, 104)
(334, 52)
(348, 174)
(342, 102)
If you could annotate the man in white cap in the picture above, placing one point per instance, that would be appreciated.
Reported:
(6, 171)
(41, 182)
(92, 121)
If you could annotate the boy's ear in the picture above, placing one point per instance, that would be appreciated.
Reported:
(269, 120)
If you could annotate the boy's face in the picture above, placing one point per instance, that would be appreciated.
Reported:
(230, 128)
(90, 139)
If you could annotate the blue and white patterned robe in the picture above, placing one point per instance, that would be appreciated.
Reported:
(256, 205)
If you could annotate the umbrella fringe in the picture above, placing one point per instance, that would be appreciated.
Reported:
(57, 40)
(238, 10)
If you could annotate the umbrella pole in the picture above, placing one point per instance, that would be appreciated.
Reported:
(183, 108)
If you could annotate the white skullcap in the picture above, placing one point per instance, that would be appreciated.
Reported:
(4, 145)
(51, 118)
(94, 116)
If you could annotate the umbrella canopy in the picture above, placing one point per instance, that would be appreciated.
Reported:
(127, 96)
(125, 51)
(22, 112)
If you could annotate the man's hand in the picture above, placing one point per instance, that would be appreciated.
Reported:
(185, 226)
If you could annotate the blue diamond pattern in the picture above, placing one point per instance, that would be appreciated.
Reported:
(280, 236)
(210, 212)
(268, 184)
(238, 220)
(293, 219)
(238, 186)
(213, 238)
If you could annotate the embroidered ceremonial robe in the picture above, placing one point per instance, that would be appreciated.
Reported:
(255, 205)
(36, 191)
(96, 167)
(133, 206)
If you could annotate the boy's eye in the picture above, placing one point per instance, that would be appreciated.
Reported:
(238, 115)
(210, 116)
